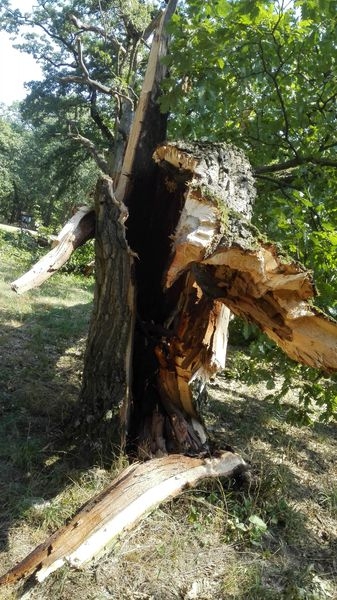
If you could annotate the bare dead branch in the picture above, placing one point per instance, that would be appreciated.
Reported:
(79, 229)
(132, 495)
(92, 83)
(93, 151)
(295, 162)
(98, 30)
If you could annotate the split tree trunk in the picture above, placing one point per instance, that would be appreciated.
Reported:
(161, 309)
(174, 254)
(198, 257)
(234, 264)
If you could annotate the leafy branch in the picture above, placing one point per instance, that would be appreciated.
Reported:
(295, 162)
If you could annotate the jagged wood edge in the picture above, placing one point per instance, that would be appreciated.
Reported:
(133, 494)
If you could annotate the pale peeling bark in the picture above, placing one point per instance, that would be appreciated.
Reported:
(135, 493)
(233, 264)
(78, 230)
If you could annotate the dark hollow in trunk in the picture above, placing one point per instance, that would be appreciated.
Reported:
(175, 340)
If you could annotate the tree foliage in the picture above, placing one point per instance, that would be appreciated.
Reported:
(93, 56)
(38, 174)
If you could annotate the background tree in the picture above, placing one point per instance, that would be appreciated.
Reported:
(39, 176)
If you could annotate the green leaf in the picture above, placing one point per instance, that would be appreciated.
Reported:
(258, 522)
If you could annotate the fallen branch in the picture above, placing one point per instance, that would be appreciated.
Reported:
(136, 491)
(78, 230)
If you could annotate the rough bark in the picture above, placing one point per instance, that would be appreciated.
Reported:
(78, 230)
(131, 496)
(106, 392)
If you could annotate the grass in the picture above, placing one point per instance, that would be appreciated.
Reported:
(271, 535)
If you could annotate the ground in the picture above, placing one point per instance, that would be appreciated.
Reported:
(270, 536)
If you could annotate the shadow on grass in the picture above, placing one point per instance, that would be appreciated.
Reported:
(40, 371)
(288, 465)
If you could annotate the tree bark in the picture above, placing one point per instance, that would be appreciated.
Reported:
(107, 382)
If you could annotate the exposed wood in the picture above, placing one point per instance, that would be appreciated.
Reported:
(154, 75)
(262, 287)
(187, 360)
(135, 493)
(232, 263)
(78, 230)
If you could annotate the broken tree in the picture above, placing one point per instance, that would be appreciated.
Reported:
(175, 253)
(213, 260)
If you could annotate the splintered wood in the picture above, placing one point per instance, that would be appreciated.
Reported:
(231, 262)
(78, 230)
(132, 495)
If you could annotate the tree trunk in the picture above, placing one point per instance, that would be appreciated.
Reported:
(107, 381)
(198, 257)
